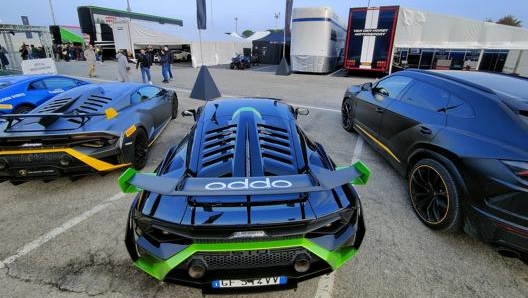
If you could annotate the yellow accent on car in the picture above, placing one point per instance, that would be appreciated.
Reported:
(378, 143)
(131, 130)
(95, 163)
(5, 107)
(111, 113)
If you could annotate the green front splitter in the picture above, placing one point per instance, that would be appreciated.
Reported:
(160, 268)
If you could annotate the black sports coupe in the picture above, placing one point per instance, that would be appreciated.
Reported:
(246, 200)
(88, 129)
(461, 139)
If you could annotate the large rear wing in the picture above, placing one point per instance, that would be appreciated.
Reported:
(47, 118)
(319, 179)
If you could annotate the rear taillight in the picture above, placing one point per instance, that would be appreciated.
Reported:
(519, 168)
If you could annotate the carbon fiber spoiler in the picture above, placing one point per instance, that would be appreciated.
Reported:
(319, 179)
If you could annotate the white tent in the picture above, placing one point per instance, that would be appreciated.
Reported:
(216, 48)
(130, 35)
(420, 29)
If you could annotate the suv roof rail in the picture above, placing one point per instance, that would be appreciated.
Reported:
(454, 79)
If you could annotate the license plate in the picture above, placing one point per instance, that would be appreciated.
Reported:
(255, 282)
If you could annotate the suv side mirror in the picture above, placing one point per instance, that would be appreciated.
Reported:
(366, 86)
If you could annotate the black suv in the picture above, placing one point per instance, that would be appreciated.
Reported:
(461, 139)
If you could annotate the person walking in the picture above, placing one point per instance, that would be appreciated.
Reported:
(165, 64)
(3, 57)
(122, 67)
(89, 55)
(144, 63)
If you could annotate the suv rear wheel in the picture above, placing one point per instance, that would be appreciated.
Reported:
(434, 196)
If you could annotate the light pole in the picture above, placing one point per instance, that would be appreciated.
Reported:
(52, 13)
(277, 16)
(236, 25)
(128, 6)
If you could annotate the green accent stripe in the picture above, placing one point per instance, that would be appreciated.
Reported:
(160, 268)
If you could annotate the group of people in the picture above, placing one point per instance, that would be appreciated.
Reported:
(145, 59)
(69, 51)
(31, 52)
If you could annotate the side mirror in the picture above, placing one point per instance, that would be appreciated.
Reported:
(301, 111)
(186, 113)
(366, 86)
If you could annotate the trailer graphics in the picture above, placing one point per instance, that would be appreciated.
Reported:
(370, 38)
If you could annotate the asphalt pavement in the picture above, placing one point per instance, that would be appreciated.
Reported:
(65, 239)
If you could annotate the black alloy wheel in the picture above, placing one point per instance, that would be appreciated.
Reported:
(174, 108)
(434, 196)
(140, 150)
(23, 109)
(347, 114)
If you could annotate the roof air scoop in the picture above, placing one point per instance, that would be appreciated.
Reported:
(237, 113)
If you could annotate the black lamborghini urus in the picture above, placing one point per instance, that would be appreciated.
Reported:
(461, 139)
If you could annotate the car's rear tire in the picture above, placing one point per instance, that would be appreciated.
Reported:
(140, 150)
(23, 109)
(174, 108)
(434, 196)
(347, 114)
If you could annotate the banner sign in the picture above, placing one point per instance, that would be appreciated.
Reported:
(39, 66)
(201, 16)
(370, 38)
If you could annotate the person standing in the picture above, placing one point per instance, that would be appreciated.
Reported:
(165, 64)
(3, 57)
(144, 63)
(24, 53)
(99, 54)
(89, 55)
(122, 67)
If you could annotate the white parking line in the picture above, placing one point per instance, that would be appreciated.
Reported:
(357, 150)
(335, 72)
(59, 230)
(325, 287)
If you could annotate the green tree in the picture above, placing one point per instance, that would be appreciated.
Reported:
(247, 33)
(510, 21)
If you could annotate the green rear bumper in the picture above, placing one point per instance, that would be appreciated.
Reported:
(160, 268)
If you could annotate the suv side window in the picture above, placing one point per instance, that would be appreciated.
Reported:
(391, 86)
(426, 96)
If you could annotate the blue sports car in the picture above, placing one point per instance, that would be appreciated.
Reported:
(246, 201)
(22, 93)
(89, 129)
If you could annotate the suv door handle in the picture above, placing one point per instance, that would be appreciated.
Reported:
(425, 130)
(379, 110)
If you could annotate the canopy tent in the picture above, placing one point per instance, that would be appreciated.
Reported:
(216, 48)
(269, 48)
(421, 29)
(129, 35)
(68, 36)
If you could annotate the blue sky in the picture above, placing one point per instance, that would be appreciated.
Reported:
(255, 15)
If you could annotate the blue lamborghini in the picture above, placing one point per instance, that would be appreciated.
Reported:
(22, 93)
(246, 201)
